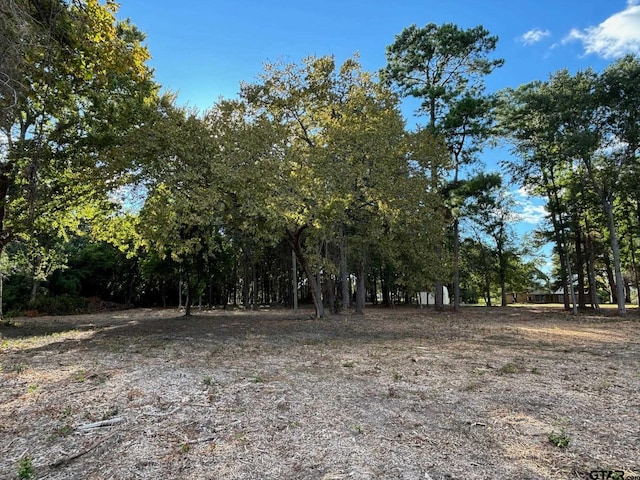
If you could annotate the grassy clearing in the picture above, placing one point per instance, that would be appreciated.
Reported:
(528, 393)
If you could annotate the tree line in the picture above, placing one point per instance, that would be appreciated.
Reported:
(308, 184)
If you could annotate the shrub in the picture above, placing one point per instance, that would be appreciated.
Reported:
(25, 467)
(60, 305)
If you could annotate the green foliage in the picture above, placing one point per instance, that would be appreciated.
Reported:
(110, 190)
(559, 439)
(26, 469)
(78, 89)
(340, 170)
(60, 305)
(509, 368)
(439, 63)
(444, 67)
(64, 430)
(576, 136)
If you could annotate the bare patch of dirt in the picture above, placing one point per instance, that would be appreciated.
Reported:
(401, 394)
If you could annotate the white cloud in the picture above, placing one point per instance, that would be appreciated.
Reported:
(530, 209)
(616, 36)
(534, 36)
(533, 214)
(524, 192)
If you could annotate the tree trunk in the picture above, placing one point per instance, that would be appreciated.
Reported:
(330, 293)
(34, 291)
(503, 293)
(486, 272)
(373, 291)
(384, 285)
(593, 288)
(254, 294)
(574, 309)
(187, 303)
(246, 284)
(1, 290)
(487, 289)
(5, 235)
(344, 277)
(361, 292)
(295, 241)
(627, 291)
(235, 282)
(502, 263)
(635, 270)
(294, 280)
(558, 229)
(613, 295)
(439, 296)
(456, 264)
(615, 248)
(582, 301)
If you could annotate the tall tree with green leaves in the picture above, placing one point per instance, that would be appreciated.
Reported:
(182, 214)
(444, 66)
(340, 160)
(493, 213)
(67, 109)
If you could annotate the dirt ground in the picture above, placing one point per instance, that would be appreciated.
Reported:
(487, 393)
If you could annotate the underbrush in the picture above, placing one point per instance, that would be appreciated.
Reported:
(63, 305)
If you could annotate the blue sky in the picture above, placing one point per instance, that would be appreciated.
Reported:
(203, 49)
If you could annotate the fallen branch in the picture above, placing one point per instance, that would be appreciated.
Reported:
(103, 423)
(202, 440)
(93, 446)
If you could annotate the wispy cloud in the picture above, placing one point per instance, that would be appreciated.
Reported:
(524, 192)
(533, 214)
(616, 36)
(533, 36)
(528, 205)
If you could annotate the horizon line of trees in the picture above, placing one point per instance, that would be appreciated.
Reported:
(109, 189)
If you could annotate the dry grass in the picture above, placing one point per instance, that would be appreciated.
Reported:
(406, 394)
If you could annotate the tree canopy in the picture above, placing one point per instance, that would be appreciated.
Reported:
(108, 188)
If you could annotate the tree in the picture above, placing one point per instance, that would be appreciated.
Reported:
(181, 216)
(444, 66)
(75, 86)
(577, 127)
(491, 212)
(426, 260)
(340, 164)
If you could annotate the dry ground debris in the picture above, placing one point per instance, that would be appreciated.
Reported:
(526, 393)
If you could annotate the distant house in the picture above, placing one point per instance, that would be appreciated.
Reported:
(517, 297)
(558, 296)
(540, 296)
(546, 296)
(532, 296)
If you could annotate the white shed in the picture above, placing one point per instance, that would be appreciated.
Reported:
(429, 298)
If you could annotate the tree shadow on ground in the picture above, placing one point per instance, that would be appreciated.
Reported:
(480, 327)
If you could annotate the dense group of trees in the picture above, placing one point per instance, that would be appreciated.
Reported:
(578, 138)
(109, 189)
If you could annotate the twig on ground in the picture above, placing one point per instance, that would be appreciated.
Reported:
(93, 446)
(202, 440)
(102, 423)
